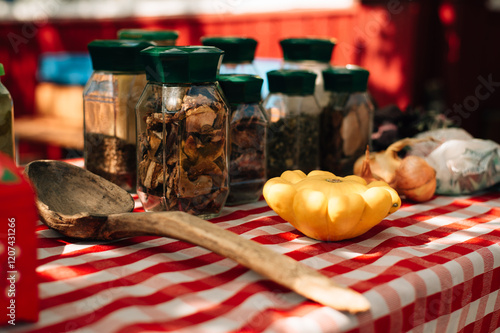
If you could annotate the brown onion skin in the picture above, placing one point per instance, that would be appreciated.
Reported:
(415, 179)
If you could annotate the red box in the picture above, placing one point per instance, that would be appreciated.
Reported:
(18, 219)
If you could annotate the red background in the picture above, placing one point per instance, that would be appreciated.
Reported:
(404, 44)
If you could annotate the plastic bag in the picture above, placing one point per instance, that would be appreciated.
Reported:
(465, 166)
(441, 135)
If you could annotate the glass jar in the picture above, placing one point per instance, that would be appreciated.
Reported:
(6, 120)
(347, 119)
(157, 37)
(182, 129)
(109, 99)
(247, 133)
(239, 53)
(294, 119)
(311, 54)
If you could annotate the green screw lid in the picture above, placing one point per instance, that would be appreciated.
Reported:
(182, 64)
(236, 49)
(117, 54)
(359, 78)
(300, 49)
(338, 79)
(2, 71)
(291, 82)
(150, 35)
(241, 88)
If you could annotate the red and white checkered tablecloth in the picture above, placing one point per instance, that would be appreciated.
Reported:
(428, 267)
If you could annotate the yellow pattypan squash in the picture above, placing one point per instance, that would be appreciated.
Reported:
(330, 208)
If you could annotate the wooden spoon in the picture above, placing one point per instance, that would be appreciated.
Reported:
(80, 204)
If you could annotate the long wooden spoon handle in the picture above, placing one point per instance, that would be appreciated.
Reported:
(277, 267)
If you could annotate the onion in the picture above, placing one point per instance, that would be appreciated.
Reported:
(412, 177)
(415, 179)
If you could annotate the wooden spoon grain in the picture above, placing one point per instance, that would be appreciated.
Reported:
(80, 204)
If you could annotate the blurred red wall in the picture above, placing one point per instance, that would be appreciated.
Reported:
(406, 45)
(376, 37)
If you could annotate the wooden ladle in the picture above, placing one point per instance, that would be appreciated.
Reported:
(80, 204)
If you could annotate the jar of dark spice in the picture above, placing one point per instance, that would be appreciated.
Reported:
(294, 120)
(347, 119)
(182, 128)
(239, 53)
(157, 37)
(311, 54)
(6, 120)
(247, 133)
(109, 100)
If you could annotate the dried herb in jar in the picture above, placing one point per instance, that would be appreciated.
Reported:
(331, 141)
(282, 146)
(182, 128)
(247, 166)
(346, 122)
(293, 112)
(111, 158)
(183, 152)
(109, 97)
(247, 137)
(308, 142)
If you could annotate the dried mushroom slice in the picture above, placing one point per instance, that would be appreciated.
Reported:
(245, 136)
(142, 170)
(191, 101)
(155, 142)
(191, 146)
(206, 146)
(200, 118)
(191, 188)
(153, 120)
(143, 144)
(206, 167)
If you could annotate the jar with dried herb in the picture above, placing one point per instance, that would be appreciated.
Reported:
(311, 54)
(157, 37)
(239, 53)
(182, 129)
(347, 119)
(109, 100)
(247, 133)
(294, 119)
(6, 120)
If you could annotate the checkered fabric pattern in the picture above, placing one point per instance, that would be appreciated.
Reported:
(428, 267)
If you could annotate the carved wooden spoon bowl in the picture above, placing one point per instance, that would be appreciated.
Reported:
(80, 204)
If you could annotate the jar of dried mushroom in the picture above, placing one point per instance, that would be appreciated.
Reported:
(247, 133)
(294, 120)
(182, 128)
(347, 119)
(6, 120)
(109, 100)
(157, 37)
(312, 54)
(239, 53)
